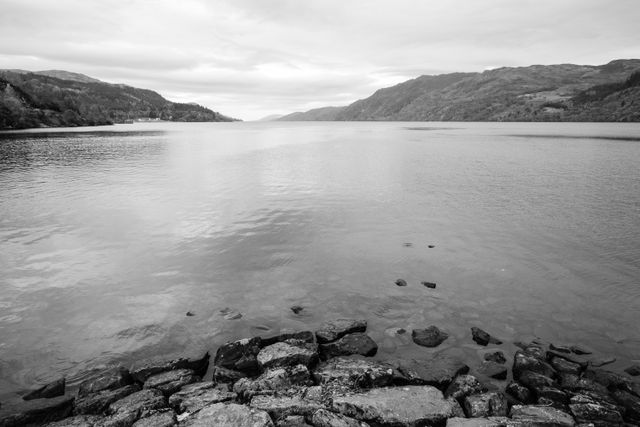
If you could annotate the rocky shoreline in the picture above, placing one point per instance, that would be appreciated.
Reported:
(327, 378)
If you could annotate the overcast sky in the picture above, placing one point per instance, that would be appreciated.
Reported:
(251, 58)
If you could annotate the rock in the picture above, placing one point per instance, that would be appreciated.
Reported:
(224, 375)
(404, 406)
(575, 383)
(552, 394)
(493, 370)
(356, 343)
(633, 370)
(297, 309)
(560, 348)
(306, 336)
(630, 403)
(332, 330)
(429, 337)
(78, 421)
(496, 356)
(485, 405)
(137, 404)
(601, 361)
(324, 418)
(576, 349)
(141, 371)
(171, 381)
(160, 418)
(587, 410)
(401, 282)
(282, 406)
(50, 390)
(438, 371)
(288, 353)
(611, 380)
(240, 355)
(97, 403)
(431, 246)
(535, 381)
(537, 415)
(355, 373)
(193, 397)
(292, 421)
(462, 386)
(563, 365)
(36, 411)
(107, 380)
(481, 422)
(429, 285)
(527, 362)
(189, 314)
(520, 392)
(482, 337)
(273, 380)
(228, 415)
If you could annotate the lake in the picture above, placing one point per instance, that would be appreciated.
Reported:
(110, 235)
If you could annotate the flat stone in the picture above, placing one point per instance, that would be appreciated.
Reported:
(633, 370)
(332, 330)
(227, 376)
(228, 415)
(306, 336)
(141, 371)
(171, 381)
(538, 415)
(355, 372)
(520, 392)
(240, 355)
(496, 356)
(462, 386)
(485, 405)
(273, 380)
(438, 371)
(106, 380)
(483, 338)
(403, 406)
(97, 403)
(481, 422)
(356, 343)
(324, 418)
(601, 361)
(560, 348)
(53, 389)
(138, 403)
(579, 350)
(36, 411)
(193, 397)
(282, 406)
(493, 370)
(563, 365)
(429, 285)
(429, 337)
(527, 362)
(159, 418)
(286, 354)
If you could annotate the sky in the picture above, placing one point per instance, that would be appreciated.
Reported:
(253, 58)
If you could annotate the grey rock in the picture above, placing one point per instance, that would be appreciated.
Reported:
(429, 337)
(171, 381)
(429, 285)
(496, 356)
(481, 422)
(356, 343)
(610, 379)
(579, 350)
(563, 365)
(228, 415)
(226, 376)
(587, 410)
(601, 361)
(526, 362)
(559, 348)
(519, 392)
(537, 415)
(575, 383)
(553, 395)
(438, 371)
(282, 406)
(135, 405)
(37, 411)
(287, 354)
(483, 337)
(535, 381)
(97, 403)
(402, 406)
(78, 421)
(107, 380)
(355, 373)
(240, 355)
(493, 370)
(273, 380)
(141, 371)
(324, 418)
(293, 421)
(306, 336)
(193, 397)
(401, 282)
(462, 386)
(332, 330)
(485, 405)
(631, 404)
(159, 418)
(53, 389)
(633, 370)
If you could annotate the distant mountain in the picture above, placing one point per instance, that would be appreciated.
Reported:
(270, 118)
(565, 92)
(60, 98)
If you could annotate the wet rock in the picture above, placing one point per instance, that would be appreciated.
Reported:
(538, 415)
(297, 309)
(240, 355)
(483, 338)
(462, 386)
(575, 383)
(431, 246)
(438, 371)
(553, 394)
(356, 343)
(601, 361)
(306, 336)
(228, 415)
(189, 314)
(496, 356)
(630, 403)
(36, 411)
(526, 362)
(226, 376)
(293, 421)
(324, 418)
(576, 349)
(401, 282)
(193, 397)
(563, 365)
(429, 337)
(560, 348)
(588, 410)
(403, 406)
(535, 381)
(485, 405)
(50, 390)
(143, 370)
(288, 353)
(633, 370)
(77, 421)
(520, 392)
(97, 403)
(107, 380)
(160, 418)
(273, 380)
(493, 370)
(171, 381)
(481, 422)
(429, 285)
(609, 379)
(282, 406)
(332, 330)
(130, 408)
(355, 373)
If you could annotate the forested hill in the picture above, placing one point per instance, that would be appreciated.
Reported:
(565, 92)
(59, 98)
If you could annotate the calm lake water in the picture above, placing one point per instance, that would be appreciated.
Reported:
(108, 236)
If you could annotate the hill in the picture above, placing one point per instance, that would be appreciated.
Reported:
(564, 92)
(60, 98)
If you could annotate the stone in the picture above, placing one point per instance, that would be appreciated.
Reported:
(134, 406)
(293, 421)
(493, 370)
(401, 282)
(306, 336)
(575, 383)
(496, 356)
(538, 415)
(519, 392)
(297, 309)
(438, 371)
(159, 418)
(106, 380)
(552, 394)
(633, 370)
(324, 418)
(36, 411)
(609, 379)
(598, 413)
(631, 404)
(535, 381)
(429, 285)
(355, 373)
(195, 396)
(403, 406)
(77, 421)
(601, 361)
(559, 348)
(355, 343)
(481, 422)
(332, 330)
(53, 389)
(527, 362)
(273, 380)
(485, 405)
(240, 355)
(563, 365)
(227, 376)
(228, 415)
(282, 406)
(141, 371)
(171, 381)
(97, 403)
(482, 337)
(576, 349)
(429, 337)
(462, 386)
(287, 354)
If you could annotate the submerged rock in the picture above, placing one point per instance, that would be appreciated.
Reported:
(401, 282)
(355, 343)
(429, 285)
(429, 337)
(576, 349)
(493, 370)
(482, 337)
(496, 356)
(332, 330)
(36, 411)
(53, 389)
(633, 370)
(228, 415)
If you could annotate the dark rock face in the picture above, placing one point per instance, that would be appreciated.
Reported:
(193, 397)
(520, 392)
(535, 381)
(273, 380)
(97, 403)
(493, 370)
(50, 390)
(438, 371)
(324, 418)
(287, 353)
(537, 415)
(228, 415)
(485, 405)
(240, 355)
(227, 376)
(356, 343)
(482, 337)
(77, 421)
(631, 404)
(496, 356)
(579, 350)
(563, 365)
(429, 337)
(462, 386)
(36, 411)
(429, 285)
(526, 362)
(587, 410)
(355, 373)
(144, 370)
(401, 282)
(633, 370)
(171, 381)
(575, 383)
(106, 380)
(332, 330)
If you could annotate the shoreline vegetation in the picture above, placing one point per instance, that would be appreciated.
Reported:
(328, 378)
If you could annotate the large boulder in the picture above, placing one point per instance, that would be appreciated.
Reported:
(521, 393)
(37, 411)
(171, 381)
(631, 404)
(110, 379)
(141, 371)
(272, 381)
(429, 337)
(240, 355)
(226, 376)
(483, 422)
(228, 415)
(356, 343)
(193, 397)
(53, 389)
(334, 329)
(97, 403)
(561, 364)
(438, 371)
(288, 353)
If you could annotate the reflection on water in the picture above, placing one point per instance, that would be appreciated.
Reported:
(108, 237)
